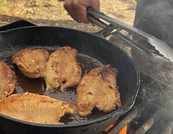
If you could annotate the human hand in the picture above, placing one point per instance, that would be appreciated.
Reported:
(78, 9)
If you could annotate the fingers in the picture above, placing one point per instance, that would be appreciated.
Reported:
(81, 12)
(77, 9)
(69, 6)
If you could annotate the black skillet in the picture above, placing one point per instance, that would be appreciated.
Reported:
(93, 51)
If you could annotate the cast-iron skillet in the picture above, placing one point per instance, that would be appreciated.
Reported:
(93, 51)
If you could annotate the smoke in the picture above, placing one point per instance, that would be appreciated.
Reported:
(156, 102)
(155, 17)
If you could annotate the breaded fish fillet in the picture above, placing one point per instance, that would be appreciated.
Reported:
(35, 108)
(98, 89)
(31, 62)
(7, 80)
(62, 69)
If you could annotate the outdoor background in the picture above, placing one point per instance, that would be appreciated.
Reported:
(52, 12)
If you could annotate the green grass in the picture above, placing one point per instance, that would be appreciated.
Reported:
(5, 1)
(134, 1)
(35, 2)
(4, 10)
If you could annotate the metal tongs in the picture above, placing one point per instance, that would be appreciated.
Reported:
(161, 50)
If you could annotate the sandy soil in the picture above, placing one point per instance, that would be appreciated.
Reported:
(52, 13)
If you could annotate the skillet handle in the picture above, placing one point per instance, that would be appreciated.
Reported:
(17, 24)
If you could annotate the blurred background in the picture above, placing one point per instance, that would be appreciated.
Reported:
(52, 12)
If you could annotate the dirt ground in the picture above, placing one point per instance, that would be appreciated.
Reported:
(52, 13)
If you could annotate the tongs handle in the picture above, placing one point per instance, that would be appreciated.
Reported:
(92, 13)
(160, 47)
(94, 16)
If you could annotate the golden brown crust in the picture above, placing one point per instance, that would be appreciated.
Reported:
(31, 61)
(98, 89)
(35, 108)
(62, 69)
(7, 80)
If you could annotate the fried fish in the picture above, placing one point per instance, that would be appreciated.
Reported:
(98, 89)
(62, 69)
(31, 62)
(7, 80)
(35, 108)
